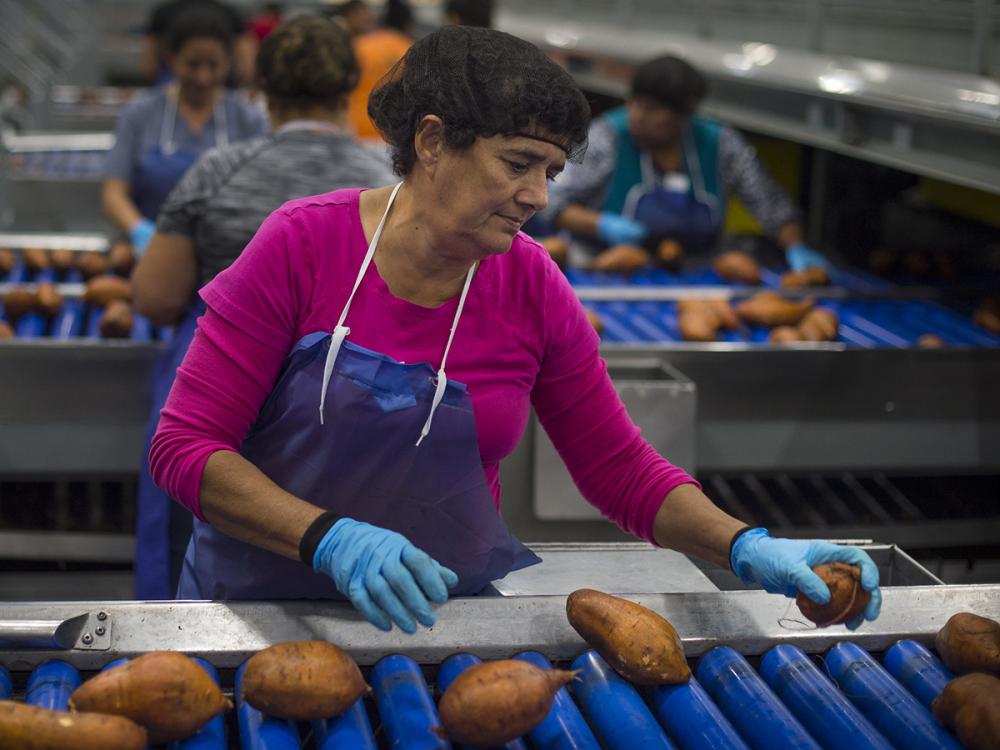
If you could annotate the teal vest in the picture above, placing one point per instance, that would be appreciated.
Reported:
(702, 133)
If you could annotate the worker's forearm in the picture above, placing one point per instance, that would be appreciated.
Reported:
(579, 220)
(691, 523)
(118, 204)
(239, 500)
(790, 233)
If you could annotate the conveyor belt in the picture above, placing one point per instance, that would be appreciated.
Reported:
(760, 681)
(58, 165)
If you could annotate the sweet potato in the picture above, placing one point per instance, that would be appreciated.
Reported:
(17, 302)
(621, 259)
(987, 315)
(7, 260)
(696, 326)
(24, 727)
(164, 691)
(491, 703)
(971, 706)
(121, 257)
(669, 253)
(771, 309)
(101, 290)
(303, 680)
(847, 598)
(116, 320)
(595, 320)
(6, 332)
(63, 260)
(819, 325)
(784, 335)
(48, 301)
(35, 259)
(930, 341)
(737, 266)
(557, 248)
(92, 264)
(636, 642)
(969, 643)
(812, 276)
(701, 319)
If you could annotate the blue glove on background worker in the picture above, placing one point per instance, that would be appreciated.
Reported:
(386, 578)
(800, 257)
(140, 234)
(615, 229)
(784, 566)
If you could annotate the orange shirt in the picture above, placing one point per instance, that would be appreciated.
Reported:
(377, 51)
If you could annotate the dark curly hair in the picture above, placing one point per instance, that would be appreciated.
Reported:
(671, 81)
(198, 21)
(480, 83)
(307, 61)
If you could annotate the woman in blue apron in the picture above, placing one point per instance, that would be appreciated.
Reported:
(158, 138)
(364, 366)
(656, 170)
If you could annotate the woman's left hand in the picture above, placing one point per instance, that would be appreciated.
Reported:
(784, 566)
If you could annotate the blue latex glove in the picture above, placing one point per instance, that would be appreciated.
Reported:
(140, 234)
(800, 257)
(784, 566)
(616, 229)
(386, 578)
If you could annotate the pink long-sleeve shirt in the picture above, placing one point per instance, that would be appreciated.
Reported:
(523, 340)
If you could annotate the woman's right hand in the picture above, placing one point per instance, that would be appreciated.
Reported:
(386, 578)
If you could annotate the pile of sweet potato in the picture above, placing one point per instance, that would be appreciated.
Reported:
(969, 645)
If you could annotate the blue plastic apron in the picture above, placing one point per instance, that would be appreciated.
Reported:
(162, 166)
(156, 514)
(676, 205)
(368, 454)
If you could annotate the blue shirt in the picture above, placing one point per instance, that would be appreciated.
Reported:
(140, 126)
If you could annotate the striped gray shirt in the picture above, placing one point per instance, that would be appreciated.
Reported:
(224, 198)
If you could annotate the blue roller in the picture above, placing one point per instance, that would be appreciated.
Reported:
(918, 670)
(69, 322)
(746, 700)
(30, 326)
(564, 728)
(451, 668)
(616, 711)
(113, 664)
(817, 703)
(142, 329)
(692, 720)
(212, 736)
(349, 731)
(886, 703)
(260, 732)
(94, 314)
(405, 705)
(51, 685)
(6, 685)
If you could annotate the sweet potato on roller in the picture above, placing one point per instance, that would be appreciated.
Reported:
(116, 320)
(7, 260)
(92, 264)
(812, 276)
(820, 324)
(636, 642)
(100, 290)
(701, 319)
(784, 335)
(771, 309)
(303, 680)
(164, 691)
(669, 253)
(737, 266)
(36, 259)
(6, 332)
(557, 248)
(17, 302)
(595, 320)
(121, 257)
(63, 260)
(969, 643)
(491, 703)
(971, 706)
(847, 598)
(25, 727)
(987, 315)
(48, 301)
(621, 259)
(930, 341)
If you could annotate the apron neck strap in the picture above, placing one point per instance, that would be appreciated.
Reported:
(170, 120)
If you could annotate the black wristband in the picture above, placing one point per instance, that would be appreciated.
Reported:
(314, 535)
(732, 543)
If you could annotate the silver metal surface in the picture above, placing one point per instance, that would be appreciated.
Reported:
(33, 142)
(65, 290)
(77, 546)
(641, 568)
(226, 634)
(83, 242)
(660, 400)
(89, 631)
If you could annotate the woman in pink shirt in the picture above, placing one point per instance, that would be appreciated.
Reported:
(364, 366)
